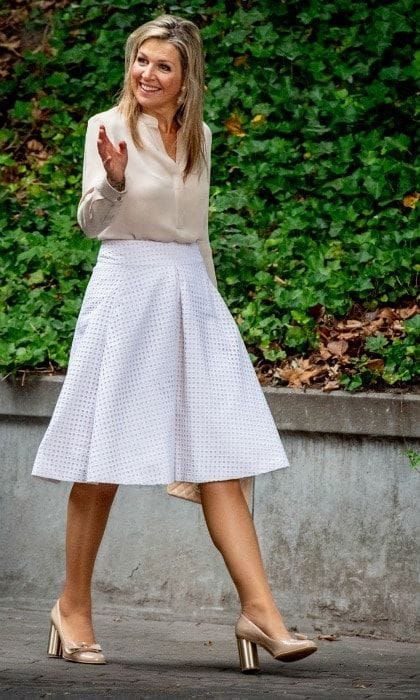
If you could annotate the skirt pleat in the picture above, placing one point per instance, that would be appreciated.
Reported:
(160, 387)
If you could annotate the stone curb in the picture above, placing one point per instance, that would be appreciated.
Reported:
(294, 410)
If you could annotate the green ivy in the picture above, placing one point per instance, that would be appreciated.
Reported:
(312, 107)
(401, 358)
(413, 458)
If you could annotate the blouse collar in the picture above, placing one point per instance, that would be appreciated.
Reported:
(153, 122)
(148, 119)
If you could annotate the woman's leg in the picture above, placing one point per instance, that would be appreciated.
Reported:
(232, 531)
(87, 515)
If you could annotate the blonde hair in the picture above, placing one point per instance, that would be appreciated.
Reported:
(185, 36)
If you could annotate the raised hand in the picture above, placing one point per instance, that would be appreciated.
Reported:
(114, 158)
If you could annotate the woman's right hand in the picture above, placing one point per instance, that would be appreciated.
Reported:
(114, 159)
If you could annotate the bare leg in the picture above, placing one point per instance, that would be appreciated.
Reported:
(87, 515)
(232, 531)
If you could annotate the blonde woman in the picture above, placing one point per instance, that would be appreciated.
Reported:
(160, 388)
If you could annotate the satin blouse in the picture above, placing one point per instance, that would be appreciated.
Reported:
(156, 204)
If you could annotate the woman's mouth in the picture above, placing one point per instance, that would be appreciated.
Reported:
(148, 88)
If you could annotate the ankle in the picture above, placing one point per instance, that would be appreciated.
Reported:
(70, 605)
(259, 606)
(268, 618)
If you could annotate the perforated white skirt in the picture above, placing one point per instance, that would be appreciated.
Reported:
(160, 387)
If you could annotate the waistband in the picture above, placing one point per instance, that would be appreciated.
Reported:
(137, 252)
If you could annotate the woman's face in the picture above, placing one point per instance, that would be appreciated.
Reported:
(156, 75)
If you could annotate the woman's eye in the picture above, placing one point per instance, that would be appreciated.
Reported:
(165, 67)
(141, 60)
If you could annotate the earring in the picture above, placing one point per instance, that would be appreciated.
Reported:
(181, 97)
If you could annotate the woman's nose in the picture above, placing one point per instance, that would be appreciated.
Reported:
(148, 71)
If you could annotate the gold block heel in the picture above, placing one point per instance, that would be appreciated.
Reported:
(248, 656)
(54, 643)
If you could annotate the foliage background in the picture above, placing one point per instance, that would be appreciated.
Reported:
(312, 213)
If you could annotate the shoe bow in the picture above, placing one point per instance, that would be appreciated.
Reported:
(73, 647)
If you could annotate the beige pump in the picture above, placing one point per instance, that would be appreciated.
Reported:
(248, 635)
(59, 647)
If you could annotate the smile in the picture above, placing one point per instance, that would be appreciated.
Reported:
(148, 88)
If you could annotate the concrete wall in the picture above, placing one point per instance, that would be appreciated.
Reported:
(337, 529)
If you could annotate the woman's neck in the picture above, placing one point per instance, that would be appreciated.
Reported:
(166, 120)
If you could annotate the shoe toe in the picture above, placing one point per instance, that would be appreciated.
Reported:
(87, 657)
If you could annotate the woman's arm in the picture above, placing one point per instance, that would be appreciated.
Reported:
(207, 255)
(203, 241)
(100, 201)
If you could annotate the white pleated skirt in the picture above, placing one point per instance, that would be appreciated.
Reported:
(160, 387)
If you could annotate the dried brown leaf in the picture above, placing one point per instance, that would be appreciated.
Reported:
(335, 370)
(388, 314)
(397, 326)
(371, 315)
(34, 145)
(408, 312)
(234, 125)
(299, 373)
(351, 335)
(240, 60)
(324, 353)
(375, 364)
(353, 323)
(332, 385)
(337, 347)
(42, 155)
(411, 200)
(11, 45)
(374, 325)
(324, 332)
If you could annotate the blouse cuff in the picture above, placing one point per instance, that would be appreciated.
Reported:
(108, 192)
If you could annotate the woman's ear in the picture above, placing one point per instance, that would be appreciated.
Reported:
(181, 96)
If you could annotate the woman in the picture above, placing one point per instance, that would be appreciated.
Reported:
(160, 388)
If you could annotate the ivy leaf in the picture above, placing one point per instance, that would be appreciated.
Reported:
(374, 186)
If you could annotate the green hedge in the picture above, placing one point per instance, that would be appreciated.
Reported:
(312, 206)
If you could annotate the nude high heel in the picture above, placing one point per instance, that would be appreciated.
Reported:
(248, 635)
(59, 647)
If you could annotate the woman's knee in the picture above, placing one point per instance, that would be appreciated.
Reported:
(98, 491)
(220, 487)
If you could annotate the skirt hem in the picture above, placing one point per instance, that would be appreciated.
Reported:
(159, 483)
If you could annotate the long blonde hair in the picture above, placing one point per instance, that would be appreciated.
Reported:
(185, 36)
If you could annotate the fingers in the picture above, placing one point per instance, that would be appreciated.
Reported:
(113, 157)
(104, 145)
(103, 139)
(103, 136)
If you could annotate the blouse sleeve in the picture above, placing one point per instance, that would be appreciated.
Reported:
(100, 201)
(203, 242)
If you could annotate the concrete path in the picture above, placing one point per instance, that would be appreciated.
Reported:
(176, 659)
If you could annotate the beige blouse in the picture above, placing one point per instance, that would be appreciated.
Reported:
(156, 204)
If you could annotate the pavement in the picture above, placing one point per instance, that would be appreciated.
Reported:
(183, 659)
